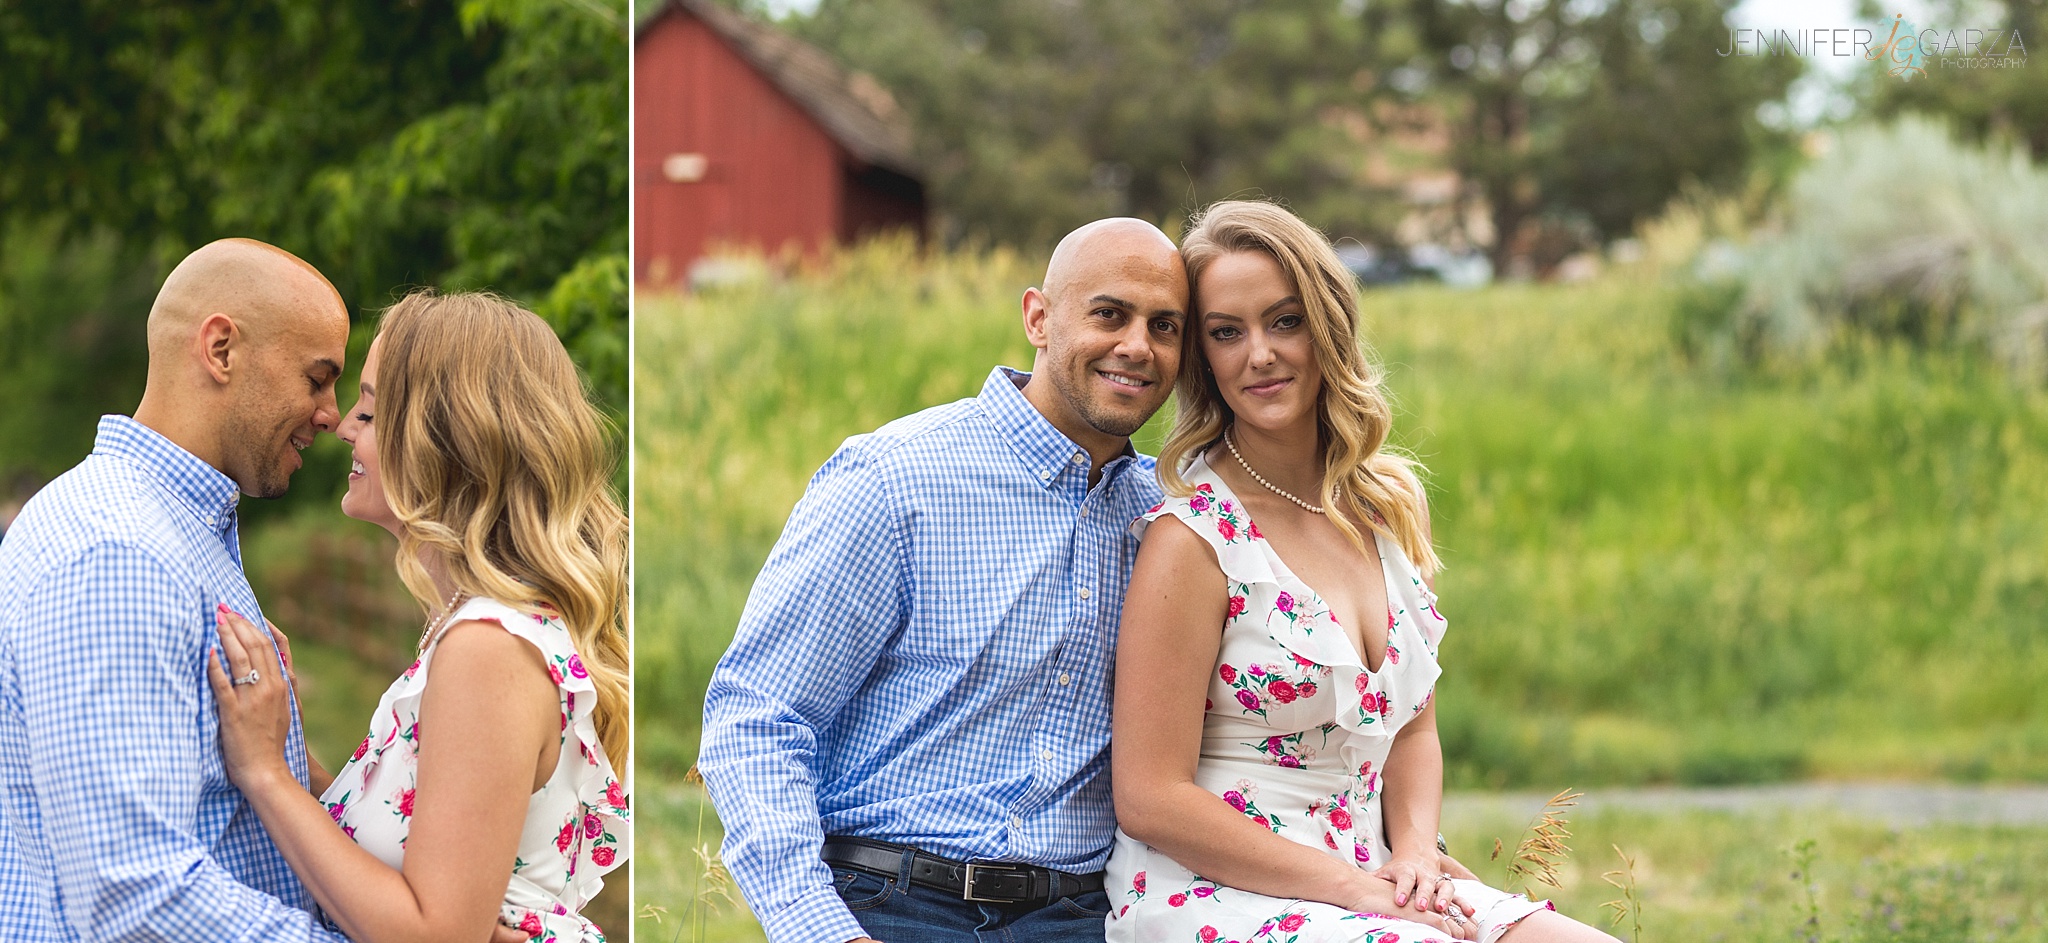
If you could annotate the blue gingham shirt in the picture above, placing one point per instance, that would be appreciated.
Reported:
(925, 658)
(117, 820)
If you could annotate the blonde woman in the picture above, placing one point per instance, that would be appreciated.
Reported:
(484, 795)
(1275, 759)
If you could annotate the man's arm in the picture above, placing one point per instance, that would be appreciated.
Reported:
(114, 691)
(832, 593)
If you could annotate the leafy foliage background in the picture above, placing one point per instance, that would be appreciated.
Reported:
(460, 145)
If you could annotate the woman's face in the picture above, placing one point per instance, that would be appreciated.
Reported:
(1255, 338)
(365, 499)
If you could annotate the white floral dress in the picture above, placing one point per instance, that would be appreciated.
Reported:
(1295, 737)
(577, 825)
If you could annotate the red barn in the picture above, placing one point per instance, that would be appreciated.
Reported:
(744, 135)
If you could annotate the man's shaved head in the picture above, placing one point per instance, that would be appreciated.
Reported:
(1107, 324)
(257, 284)
(245, 343)
(1118, 240)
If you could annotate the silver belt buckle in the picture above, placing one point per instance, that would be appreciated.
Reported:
(967, 883)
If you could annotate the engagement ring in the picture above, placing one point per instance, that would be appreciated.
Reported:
(251, 678)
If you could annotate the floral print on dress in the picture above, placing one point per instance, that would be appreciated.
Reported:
(1227, 517)
(1244, 799)
(1295, 738)
(1292, 750)
(578, 825)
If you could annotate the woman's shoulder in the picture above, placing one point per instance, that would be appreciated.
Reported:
(539, 623)
(1213, 513)
(538, 627)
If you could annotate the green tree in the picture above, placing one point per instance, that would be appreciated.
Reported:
(1036, 115)
(1592, 114)
(462, 145)
(1981, 103)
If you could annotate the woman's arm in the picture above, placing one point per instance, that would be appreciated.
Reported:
(1166, 650)
(489, 718)
(317, 775)
(1412, 807)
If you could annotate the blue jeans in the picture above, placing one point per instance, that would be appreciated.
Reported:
(893, 910)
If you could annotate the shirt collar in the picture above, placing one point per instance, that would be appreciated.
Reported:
(210, 495)
(1043, 448)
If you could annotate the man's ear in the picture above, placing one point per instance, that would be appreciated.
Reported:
(1036, 308)
(219, 342)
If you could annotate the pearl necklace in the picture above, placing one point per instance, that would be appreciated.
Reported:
(427, 634)
(1261, 479)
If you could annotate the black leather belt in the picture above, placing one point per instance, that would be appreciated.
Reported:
(983, 882)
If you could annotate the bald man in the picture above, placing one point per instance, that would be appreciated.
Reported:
(921, 677)
(117, 820)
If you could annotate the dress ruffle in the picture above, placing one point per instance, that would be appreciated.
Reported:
(1301, 622)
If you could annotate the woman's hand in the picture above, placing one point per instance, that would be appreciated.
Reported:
(255, 707)
(1376, 894)
(1417, 883)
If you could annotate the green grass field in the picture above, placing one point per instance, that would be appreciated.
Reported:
(1656, 572)
(1700, 876)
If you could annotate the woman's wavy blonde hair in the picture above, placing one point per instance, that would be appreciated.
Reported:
(1361, 474)
(497, 464)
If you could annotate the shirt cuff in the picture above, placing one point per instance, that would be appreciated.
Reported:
(818, 916)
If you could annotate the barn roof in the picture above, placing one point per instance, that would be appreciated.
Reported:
(855, 109)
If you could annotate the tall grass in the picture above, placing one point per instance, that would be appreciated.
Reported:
(1654, 573)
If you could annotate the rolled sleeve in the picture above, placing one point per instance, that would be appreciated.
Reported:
(832, 593)
(123, 755)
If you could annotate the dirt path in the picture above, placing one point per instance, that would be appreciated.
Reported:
(1898, 804)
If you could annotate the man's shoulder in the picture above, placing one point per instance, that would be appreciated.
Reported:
(907, 442)
(102, 504)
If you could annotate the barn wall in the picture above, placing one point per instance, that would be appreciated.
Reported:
(773, 177)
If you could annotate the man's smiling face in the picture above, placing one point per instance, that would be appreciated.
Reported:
(1111, 334)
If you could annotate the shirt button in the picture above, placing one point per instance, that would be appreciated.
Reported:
(1080, 458)
(1046, 756)
(1066, 679)
(1045, 476)
(1084, 512)
(1084, 592)
(1016, 822)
